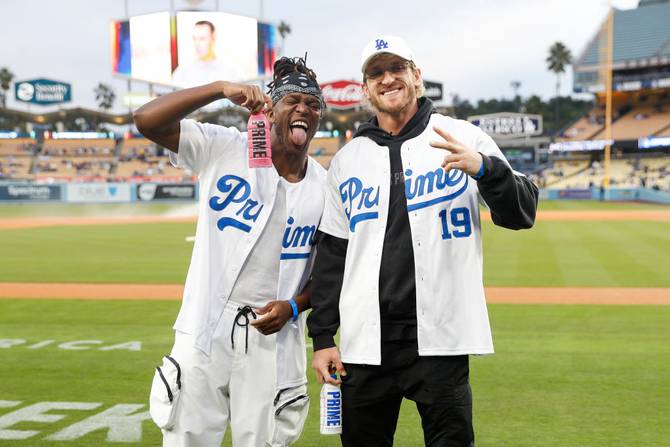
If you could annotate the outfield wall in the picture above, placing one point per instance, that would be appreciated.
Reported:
(97, 192)
(155, 192)
(613, 194)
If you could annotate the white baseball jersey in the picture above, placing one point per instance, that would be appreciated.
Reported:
(235, 203)
(445, 227)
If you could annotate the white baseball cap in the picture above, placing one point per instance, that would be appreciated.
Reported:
(386, 44)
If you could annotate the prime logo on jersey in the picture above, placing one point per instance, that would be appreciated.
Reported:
(360, 202)
(235, 199)
(424, 190)
(439, 187)
(298, 240)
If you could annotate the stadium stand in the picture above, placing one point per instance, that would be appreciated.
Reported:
(651, 173)
(641, 37)
(639, 122)
(323, 149)
(79, 148)
(65, 168)
(563, 170)
(641, 109)
(15, 167)
(585, 127)
(74, 160)
(16, 158)
(18, 146)
(140, 158)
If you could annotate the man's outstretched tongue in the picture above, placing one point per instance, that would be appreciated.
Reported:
(298, 136)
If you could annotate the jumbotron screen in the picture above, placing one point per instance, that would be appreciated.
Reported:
(192, 48)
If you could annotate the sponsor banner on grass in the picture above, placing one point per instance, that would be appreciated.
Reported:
(98, 192)
(121, 423)
(71, 345)
(30, 192)
(153, 191)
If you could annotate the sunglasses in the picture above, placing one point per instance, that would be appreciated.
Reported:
(396, 69)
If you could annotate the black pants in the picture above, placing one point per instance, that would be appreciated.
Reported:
(371, 398)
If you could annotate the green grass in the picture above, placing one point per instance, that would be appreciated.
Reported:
(575, 376)
(597, 253)
(616, 254)
(106, 210)
(580, 205)
(142, 253)
(561, 376)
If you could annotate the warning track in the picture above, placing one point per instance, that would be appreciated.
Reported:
(508, 295)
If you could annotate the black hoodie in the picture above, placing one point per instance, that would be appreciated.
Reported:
(511, 198)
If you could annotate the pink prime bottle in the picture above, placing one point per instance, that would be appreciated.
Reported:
(260, 152)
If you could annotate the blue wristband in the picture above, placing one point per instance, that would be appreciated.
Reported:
(479, 173)
(294, 306)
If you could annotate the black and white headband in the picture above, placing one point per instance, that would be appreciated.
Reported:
(296, 83)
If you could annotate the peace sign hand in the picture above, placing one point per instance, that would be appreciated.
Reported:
(459, 156)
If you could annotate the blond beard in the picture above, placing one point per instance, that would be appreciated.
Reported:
(377, 106)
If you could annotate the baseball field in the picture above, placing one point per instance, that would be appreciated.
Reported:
(579, 306)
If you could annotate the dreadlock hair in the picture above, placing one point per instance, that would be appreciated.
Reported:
(288, 65)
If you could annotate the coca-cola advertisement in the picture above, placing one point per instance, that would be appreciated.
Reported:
(342, 94)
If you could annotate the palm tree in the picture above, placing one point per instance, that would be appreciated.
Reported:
(559, 57)
(6, 78)
(105, 96)
(284, 30)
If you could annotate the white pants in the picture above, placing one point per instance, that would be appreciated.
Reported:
(234, 386)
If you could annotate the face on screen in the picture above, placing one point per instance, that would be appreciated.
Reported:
(203, 41)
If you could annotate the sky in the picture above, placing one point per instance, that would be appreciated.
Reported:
(476, 48)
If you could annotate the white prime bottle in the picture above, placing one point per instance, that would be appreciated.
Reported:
(331, 409)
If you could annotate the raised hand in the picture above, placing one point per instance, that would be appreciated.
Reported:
(248, 96)
(459, 156)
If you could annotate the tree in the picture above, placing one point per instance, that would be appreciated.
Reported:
(105, 96)
(462, 108)
(517, 99)
(6, 78)
(559, 57)
(284, 30)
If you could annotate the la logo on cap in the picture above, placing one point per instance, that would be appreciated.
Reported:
(386, 44)
(381, 43)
